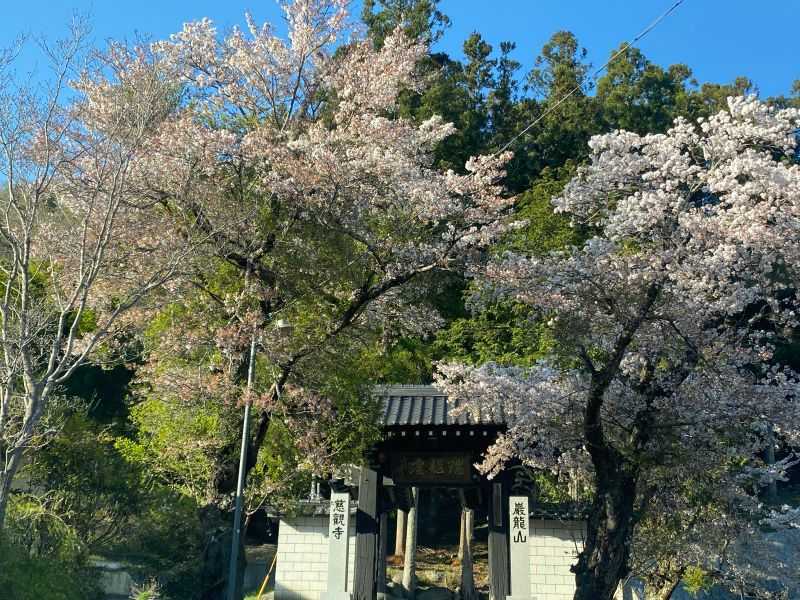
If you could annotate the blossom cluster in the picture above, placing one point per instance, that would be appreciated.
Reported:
(288, 158)
(680, 297)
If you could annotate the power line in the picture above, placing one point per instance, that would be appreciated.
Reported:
(616, 55)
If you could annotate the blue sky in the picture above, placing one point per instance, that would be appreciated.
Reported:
(718, 39)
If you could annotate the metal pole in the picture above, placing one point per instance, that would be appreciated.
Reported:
(237, 519)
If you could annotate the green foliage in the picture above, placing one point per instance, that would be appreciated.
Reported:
(408, 359)
(792, 100)
(149, 590)
(418, 18)
(105, 391)
(507, 332)
(278, 464)
(634, 94)
(639, 96)
(545, 231)
(713, 97)
(42, 557)
(456, 99)
(23, 577)
(176, 443)
(90, 485)
(696, 580)
(504, 332)
(165, 539)
(101, 500)
(41, 530)
(560, 67)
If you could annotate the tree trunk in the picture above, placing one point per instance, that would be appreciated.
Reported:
(467, 580)
(400, 533)
(11, 461)
(772, 487)
(5, 492)
(410, 557)
(604, 560)
(603, 563)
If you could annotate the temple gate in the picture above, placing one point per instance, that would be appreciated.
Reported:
(430, 442)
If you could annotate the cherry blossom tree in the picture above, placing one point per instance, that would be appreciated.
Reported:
(666, 322)
(287, 160)
(283, 149)
(706, 526)
(81, 251)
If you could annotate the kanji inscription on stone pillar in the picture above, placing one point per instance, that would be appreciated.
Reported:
(519, 551)
(338, 546)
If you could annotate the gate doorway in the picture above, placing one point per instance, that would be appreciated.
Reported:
(451, 557)
(429, 448)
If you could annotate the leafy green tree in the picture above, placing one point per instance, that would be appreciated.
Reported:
(507, 332)
(503, 97)
(560, 67)
(566, 116)
(421, 19)
(41, 556)
(85, 495)
(713, 97)
(89, 484)
(637, 95)
(792, 100)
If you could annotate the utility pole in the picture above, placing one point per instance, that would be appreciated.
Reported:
(237, 519)
(284, 329)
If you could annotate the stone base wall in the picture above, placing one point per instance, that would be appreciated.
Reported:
(554, 548)
(301, 570)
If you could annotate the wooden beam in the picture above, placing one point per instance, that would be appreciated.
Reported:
(383, 548)
(367, 529)
(499, 575)
(403, 497)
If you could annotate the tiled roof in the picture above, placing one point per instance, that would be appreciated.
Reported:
(410, 406)
(575, 511)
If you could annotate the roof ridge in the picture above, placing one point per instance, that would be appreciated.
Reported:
(425, 405)
(406, 389)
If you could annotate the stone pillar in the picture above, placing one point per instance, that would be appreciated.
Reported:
(467, 580)
(338, 547)
(462, 540)
(410, 557)
(400, 533)
(519, 550)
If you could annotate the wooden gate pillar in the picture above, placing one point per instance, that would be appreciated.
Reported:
(383, 543)
(499, 567)
(367, 529)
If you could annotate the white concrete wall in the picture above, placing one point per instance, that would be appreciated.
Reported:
(554, 548)
(301, 571)
(302, 565)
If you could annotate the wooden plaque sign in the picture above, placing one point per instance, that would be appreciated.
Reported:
(420, 468)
